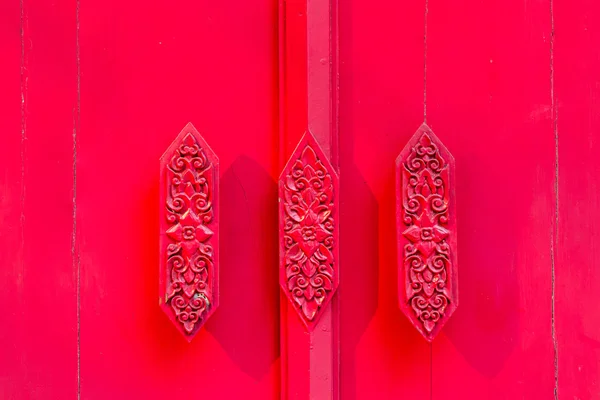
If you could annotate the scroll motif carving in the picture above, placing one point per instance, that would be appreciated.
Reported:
(189, 227)
(308, 213)
(426, 232)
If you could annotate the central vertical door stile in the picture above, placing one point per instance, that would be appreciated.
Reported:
(308, 198)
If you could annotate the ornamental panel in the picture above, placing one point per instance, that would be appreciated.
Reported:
(426, 229)
(308, 230)
(189, 230)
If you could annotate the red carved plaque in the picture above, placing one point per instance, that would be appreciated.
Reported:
(189, 227)
(308, 230)
(426, 223)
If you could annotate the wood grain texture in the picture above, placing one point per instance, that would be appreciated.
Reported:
(38, 356)
(488, 99)
(576, 94)
(145, 72)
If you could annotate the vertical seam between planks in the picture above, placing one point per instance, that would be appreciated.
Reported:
(281, 83)
(23, 155)
(425, 62)
(334, 79)
(553, 239)
(75, 255)
(23, 77)
(431, 370)
(335, 161)
(283, 345)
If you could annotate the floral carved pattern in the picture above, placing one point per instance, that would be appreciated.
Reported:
(189, 279)
(308, 230)
(427, 233)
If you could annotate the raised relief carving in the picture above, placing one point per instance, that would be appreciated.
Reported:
(189, 232)
(308, 217)
(426, 221)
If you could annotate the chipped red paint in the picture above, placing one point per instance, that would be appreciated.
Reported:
(426, 223)
(189, 278)
(308, 230)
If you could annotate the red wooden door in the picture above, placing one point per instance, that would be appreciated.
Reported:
(93, 93)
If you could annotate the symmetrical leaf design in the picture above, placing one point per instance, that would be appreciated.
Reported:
(426, 221)
(189, 232)
(308, 211)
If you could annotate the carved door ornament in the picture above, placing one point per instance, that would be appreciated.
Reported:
(426, 229)
(308, 230)
(189, 232)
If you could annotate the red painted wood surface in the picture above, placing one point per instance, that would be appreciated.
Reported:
(145, 72)
(189, 232)
(517, 106)
(489, 97)
(577, 257)
(381, 105)
(38, 103)
(14, 376)
(310, 359)
(426, 232)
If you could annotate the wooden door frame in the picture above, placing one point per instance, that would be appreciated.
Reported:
(308, 102)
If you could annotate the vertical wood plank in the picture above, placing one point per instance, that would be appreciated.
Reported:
(322, 45)
(145, 73)
(488, 99)
(42, 302)
(577, 265)
(12, 364)
(308, 100)
(50, 115)
(381, 106)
